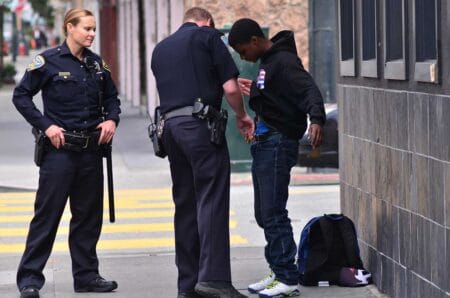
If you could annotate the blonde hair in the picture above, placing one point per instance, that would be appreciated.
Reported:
(198, 14)
(73, 17)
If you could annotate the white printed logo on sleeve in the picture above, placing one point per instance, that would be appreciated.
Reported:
(260, 79)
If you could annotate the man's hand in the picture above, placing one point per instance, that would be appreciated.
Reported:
(246, 126)
(108, 129)
(244, 86)
(315, 135)
(56, 135)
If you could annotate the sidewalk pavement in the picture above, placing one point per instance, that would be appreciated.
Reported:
(154, 275)
(139, 274)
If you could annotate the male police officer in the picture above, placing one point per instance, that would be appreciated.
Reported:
(193, 65)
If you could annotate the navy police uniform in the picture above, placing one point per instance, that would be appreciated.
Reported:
(194, 63)
(70, 94)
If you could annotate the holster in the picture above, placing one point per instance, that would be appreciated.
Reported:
(39, 146)
(155, 130)
(217, 127)
(217, 120)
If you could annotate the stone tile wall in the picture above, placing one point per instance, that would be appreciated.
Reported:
(395, 185)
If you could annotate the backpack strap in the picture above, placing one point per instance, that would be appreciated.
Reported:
(348, 232)
(303, 247)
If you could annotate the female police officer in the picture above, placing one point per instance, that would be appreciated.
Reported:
(71, 79)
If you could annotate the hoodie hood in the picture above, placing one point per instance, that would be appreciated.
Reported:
(282, 41)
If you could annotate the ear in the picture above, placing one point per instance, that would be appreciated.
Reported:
(69, 27)
(254, 40)
(210, 23)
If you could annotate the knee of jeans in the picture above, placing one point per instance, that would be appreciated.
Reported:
(274, 217)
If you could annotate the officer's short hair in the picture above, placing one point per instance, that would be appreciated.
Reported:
(198, 14)
(243, 30)
(73, 17)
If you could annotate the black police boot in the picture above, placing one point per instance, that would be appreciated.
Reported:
(190, 294)
(98, 285)
(29, 292)
(217, 289)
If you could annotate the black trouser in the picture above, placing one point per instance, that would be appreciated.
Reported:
(63, 174)
(201, 193)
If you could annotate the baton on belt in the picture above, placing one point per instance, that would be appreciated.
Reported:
(107, 155)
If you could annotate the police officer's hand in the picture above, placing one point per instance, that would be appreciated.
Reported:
(244, 86)
(246, 125)
(56, 135)
(315, 135)
(108, 128)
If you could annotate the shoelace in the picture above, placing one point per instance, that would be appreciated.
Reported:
(273, 284)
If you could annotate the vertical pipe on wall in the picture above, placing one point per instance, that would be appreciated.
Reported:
(150, 42)
(128, 49)
(134, 54)
(121, 47)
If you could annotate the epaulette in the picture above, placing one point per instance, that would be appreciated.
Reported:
(51, 52)
(38, 62)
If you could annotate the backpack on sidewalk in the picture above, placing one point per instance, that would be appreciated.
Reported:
(328, 253)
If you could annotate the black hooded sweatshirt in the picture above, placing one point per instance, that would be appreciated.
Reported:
(284, 92)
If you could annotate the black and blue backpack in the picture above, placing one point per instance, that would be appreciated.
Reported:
(328, 253)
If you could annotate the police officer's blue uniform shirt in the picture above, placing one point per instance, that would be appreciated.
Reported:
(70, 92)
(177, 59)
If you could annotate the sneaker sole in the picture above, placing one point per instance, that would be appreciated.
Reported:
(291, 294)
(253, 291)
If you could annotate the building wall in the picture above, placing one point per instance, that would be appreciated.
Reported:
(276, 14)
(162, 17)
(394, 139)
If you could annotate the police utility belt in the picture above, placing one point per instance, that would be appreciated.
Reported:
(73, 141)
(217, 123)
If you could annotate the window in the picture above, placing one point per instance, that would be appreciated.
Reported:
(425, 18)
(394, 37)
(369, 39)
(346, 32)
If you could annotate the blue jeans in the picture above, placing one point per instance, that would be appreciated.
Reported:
(272, 163)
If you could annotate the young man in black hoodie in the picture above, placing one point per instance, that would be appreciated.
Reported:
(282, 96)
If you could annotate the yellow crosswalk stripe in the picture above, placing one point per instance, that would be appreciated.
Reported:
(116, 244)
(119, 199)
(108, 229)
(136, 213)
(120, 215)
(161, 192)
(118, 205)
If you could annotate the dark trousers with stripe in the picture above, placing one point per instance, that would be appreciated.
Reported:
(201, 193)
(63, 174)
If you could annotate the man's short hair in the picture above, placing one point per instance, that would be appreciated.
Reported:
(198, 14)
(243, 30)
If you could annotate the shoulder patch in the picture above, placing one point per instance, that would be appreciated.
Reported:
(38, 62)
(105, 66)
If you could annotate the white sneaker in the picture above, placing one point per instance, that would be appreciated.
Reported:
(278, 289)
(262, 284)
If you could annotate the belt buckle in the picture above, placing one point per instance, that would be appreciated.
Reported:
(83, 135)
